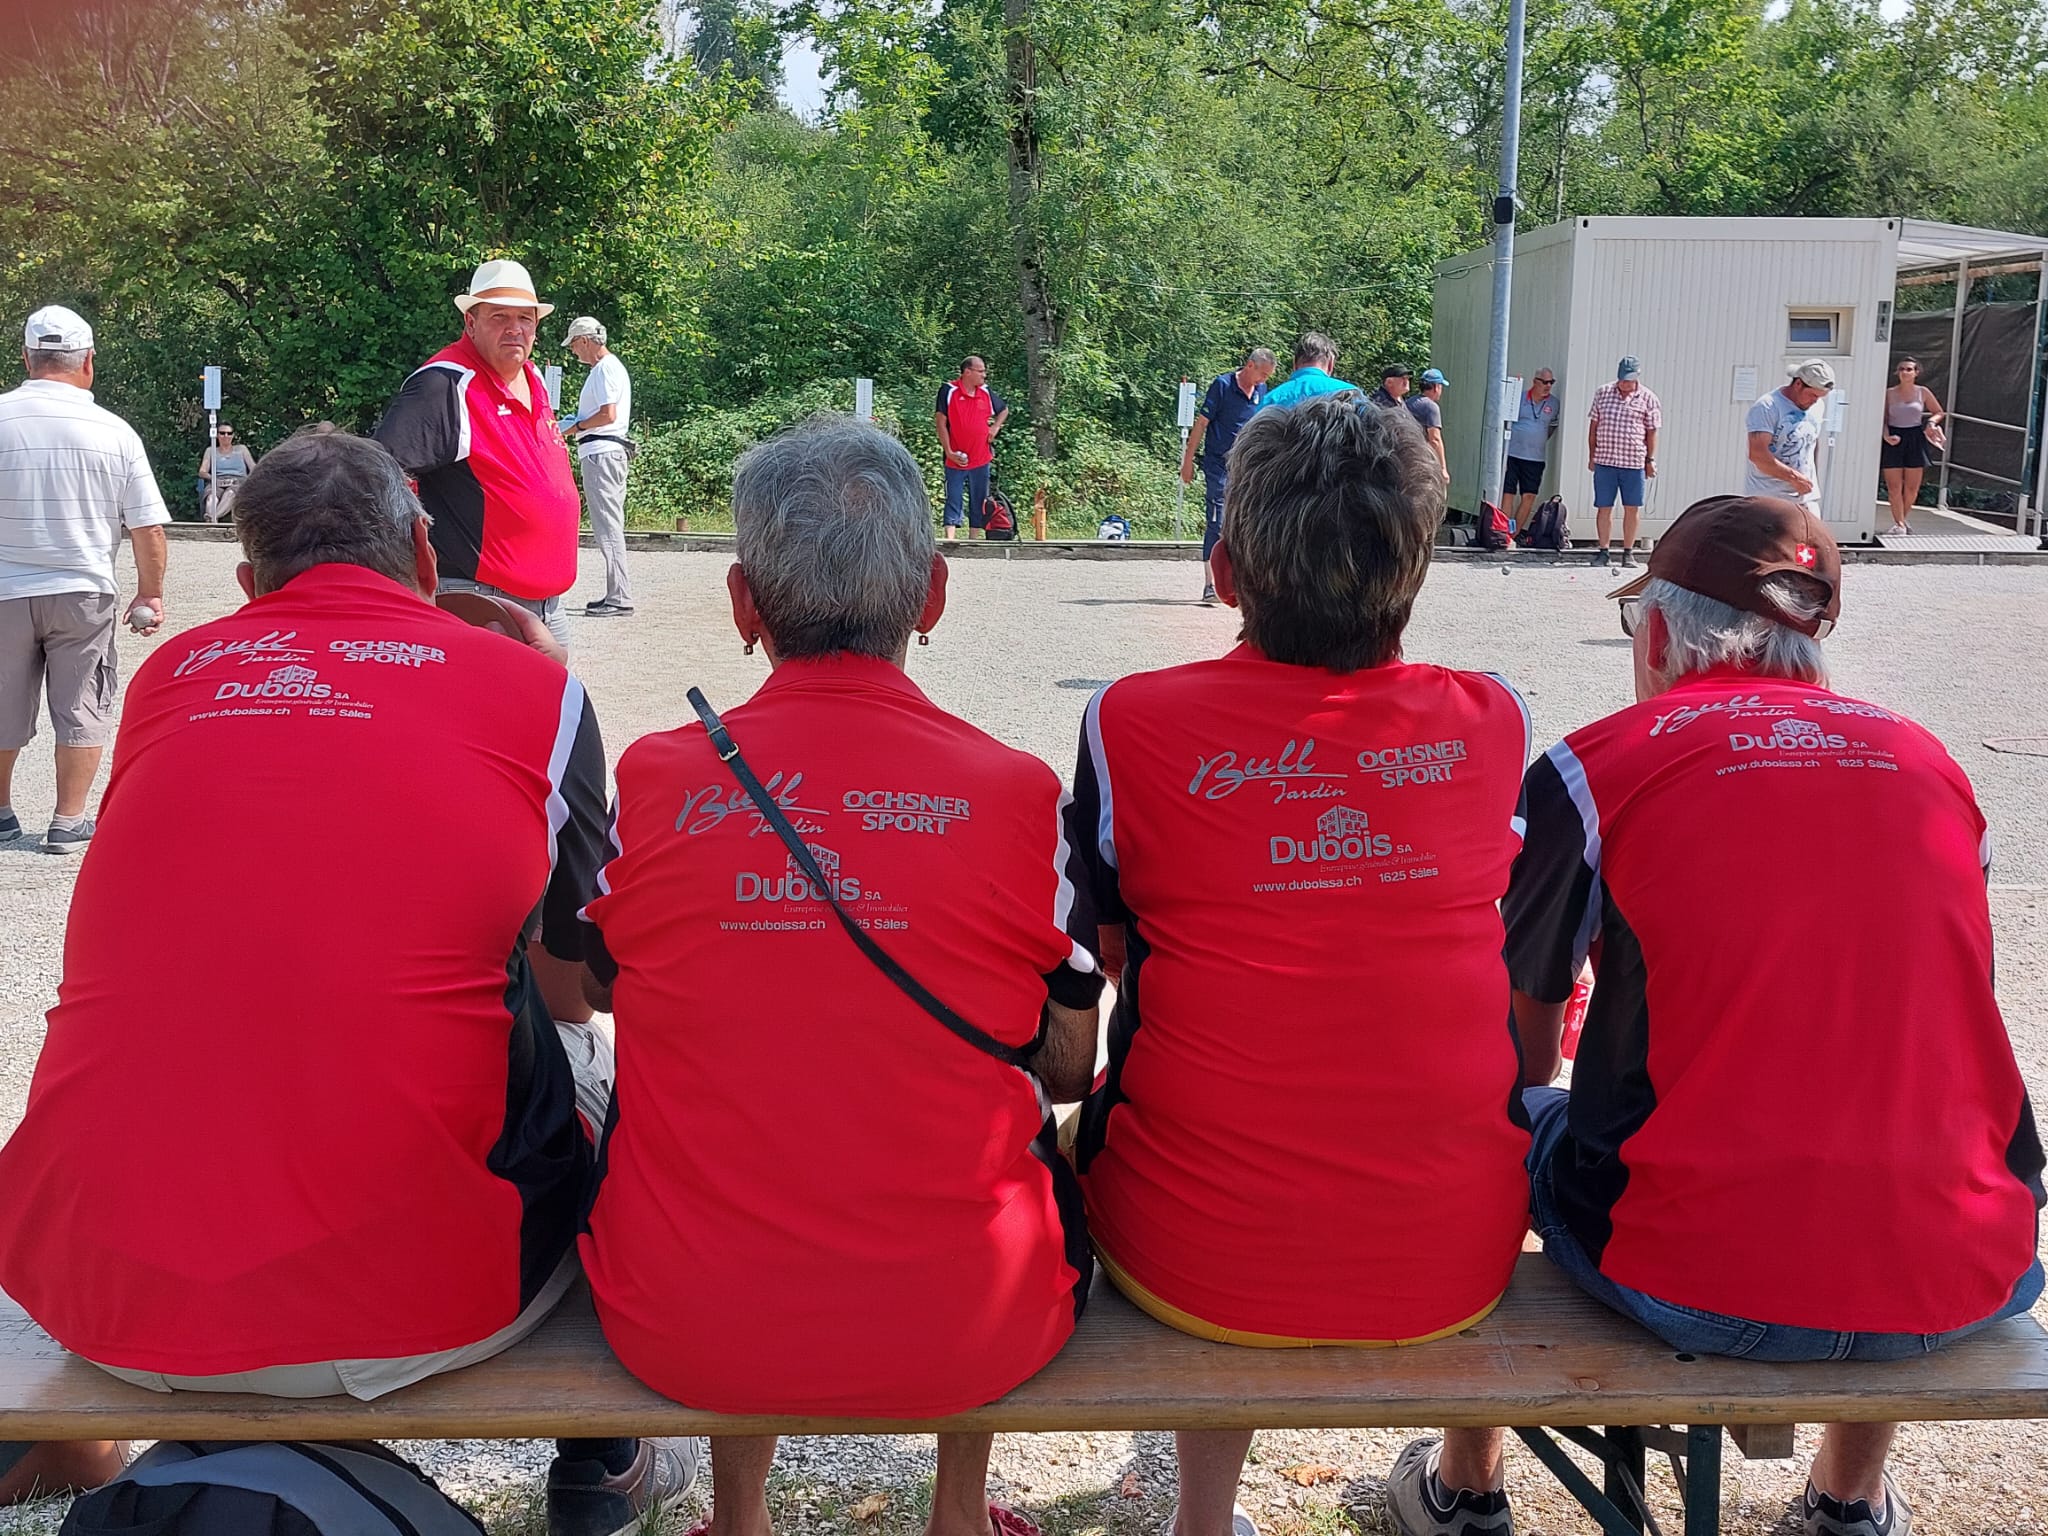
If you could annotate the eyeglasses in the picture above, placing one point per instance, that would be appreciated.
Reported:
(1546, 381)
(1631, 615)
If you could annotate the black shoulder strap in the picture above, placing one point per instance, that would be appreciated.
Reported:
(729, 754)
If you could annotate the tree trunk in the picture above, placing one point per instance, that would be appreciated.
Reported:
(1044, 327)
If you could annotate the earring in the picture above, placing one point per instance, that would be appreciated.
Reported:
(747, 649)
(923, 638)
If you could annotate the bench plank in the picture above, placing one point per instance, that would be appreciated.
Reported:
(1548, 1355)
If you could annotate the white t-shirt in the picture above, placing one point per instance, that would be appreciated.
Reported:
(1793, 435)
(607, 384)
(73, 475)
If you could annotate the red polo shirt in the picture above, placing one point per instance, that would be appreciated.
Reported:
(299, 1099)
(814, 1198)
(968, 415)
(1310, 1127)
(1794, 1100)
(491, 469)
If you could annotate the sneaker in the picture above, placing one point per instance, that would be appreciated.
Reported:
(606, 608)
(1628, 559)
(1420, 1505)
(1241, 1521)
(1208, 596)
(68, 840)
(10, 827)
(1826, 1516)
(585, 1500)
(1599, 557)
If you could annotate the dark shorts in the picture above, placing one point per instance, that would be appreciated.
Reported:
(967, 497)
(1909, 452)
(1524, 477)
(1690, 1329)
(1212, 509)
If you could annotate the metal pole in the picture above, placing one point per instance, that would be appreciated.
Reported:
(1180, 489)
(1492, 449)
(1955, 376)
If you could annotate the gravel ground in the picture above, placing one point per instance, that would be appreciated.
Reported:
(1022, 646)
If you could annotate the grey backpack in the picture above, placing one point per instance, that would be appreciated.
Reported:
(269, 1488)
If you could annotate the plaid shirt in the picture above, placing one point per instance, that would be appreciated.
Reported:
(1621, 425)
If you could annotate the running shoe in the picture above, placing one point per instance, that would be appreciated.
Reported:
(1599, 557)
(68, 839)
(1828, 1516)
(586, 1500)
(1420, 1505)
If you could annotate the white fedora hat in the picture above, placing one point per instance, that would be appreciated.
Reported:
(502, 282)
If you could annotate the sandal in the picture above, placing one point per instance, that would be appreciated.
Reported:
(1008, 1522)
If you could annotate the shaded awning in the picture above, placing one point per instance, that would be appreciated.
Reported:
(1926, 244)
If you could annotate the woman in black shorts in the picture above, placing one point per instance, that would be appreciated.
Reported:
(1909, 410)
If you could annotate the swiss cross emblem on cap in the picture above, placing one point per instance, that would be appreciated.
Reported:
(1805, 554)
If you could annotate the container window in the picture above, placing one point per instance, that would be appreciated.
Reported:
(1814, 330)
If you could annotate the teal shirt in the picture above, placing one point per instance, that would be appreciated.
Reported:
(1305, 384)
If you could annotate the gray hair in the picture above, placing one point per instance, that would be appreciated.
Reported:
(43, 361)
(1261, 357)
(1704, 632)
(324, 497)
(1329, 518)
(1314, 347)
(834, 533)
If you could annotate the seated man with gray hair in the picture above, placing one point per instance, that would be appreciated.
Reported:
(343, 1075)
(1796, 1130)
(1309, 1132)
(818, 1196)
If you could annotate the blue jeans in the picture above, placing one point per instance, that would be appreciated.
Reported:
(1711, 1333)
(966, 495)
(1212, 509)
(1611, 481)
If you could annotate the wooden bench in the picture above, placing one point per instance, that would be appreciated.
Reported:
(1549, 1362)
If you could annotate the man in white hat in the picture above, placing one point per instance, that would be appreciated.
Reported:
(77, 478)
(474, 429)
(603, 413)
(1783, 433)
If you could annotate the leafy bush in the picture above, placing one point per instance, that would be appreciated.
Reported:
(685, 468)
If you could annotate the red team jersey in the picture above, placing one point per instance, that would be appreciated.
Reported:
(493, 471)
(814, 1199)
(1310, 1128)
(299, 1099)
(1794, 1100)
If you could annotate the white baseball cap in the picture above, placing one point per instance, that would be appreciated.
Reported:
(53, 328)
(502, 282)
(585, 327)
(1815, 374)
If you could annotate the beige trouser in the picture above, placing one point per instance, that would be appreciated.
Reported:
(63, 642)
(590, 1057)
(604, 495)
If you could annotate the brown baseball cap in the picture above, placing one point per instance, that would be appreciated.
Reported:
(1725, 546)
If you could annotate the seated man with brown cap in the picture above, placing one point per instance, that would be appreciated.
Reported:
(1795, 1132)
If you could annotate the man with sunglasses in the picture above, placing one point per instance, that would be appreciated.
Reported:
(1796, 1130)
(473, 428)
(1529, 446)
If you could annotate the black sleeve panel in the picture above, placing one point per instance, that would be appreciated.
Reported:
(422, 427)
(1549, 889)
(1093, 871)
(581, 843)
